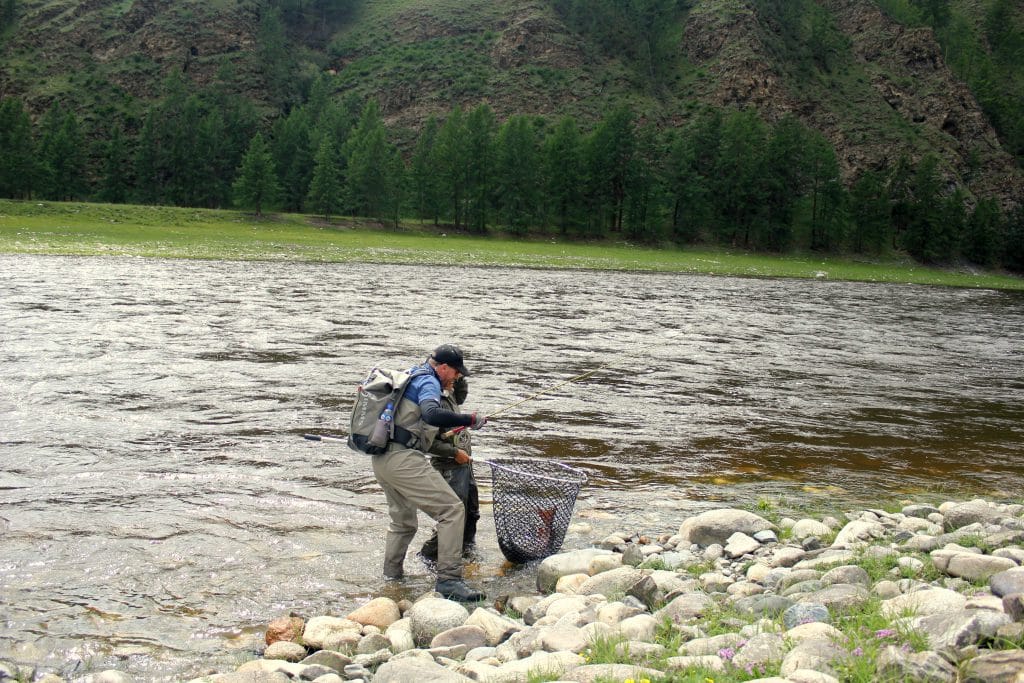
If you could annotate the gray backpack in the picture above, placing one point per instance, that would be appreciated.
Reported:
(381, 387)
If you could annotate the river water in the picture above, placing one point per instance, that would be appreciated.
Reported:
(159, 505)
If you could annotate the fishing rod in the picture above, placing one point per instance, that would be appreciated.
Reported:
(510, 406)
(531, 397)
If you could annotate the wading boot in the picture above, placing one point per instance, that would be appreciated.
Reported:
(457, 590)
(429, 549)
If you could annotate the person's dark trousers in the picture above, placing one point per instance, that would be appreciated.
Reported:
(463, 484)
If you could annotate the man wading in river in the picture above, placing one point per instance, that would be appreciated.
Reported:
(410, 482)
(451, 456)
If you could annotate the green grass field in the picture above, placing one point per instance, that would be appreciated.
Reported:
(34, 227)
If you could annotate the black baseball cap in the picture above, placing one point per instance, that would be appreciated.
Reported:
(451, 355)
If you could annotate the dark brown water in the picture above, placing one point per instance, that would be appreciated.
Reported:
(160, 506)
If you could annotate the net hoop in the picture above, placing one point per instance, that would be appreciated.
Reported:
(533, 503)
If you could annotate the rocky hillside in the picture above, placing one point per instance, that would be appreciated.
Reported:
(881, 91)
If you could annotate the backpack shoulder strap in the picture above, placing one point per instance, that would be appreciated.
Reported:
(402, 386)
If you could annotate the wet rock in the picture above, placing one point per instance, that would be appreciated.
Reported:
(917, 510)
(286, 650)
(1013, 605)
(610, 672)
(319, 628)
(379, 612)
(806, 528)
(470, 636)
(857, 533)
(416, 669)
(760, 652)
(995, 667)
(554, 567)
(954, 630)
(922, 667)
(686, 607)
(284, 628)
(430, 616)
(766, 605)
(851, 574)
(819, 655)
(1008, 581)
(977, 567)
(496, 627)
(839, 597)
(805, 613)
(923, 603)
(740, 544)
(328, 658)
(716, 526)
(971, 512)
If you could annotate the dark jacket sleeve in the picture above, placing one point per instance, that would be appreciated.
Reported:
(434, 415)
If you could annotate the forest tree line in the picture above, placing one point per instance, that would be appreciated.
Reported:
(729, 178)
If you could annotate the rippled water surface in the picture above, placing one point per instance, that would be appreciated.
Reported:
(159, 505)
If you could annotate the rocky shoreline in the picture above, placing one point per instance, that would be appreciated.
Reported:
(929, 594)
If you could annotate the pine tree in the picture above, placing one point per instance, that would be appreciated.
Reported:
(17, 150)
(61, 155)
(325, 187)
(451, 162)
(426, 186)
(981, 236)
(116, 167)
(827, 194)
(691, 164)
(293, 157)
(739, 188)
(517, 173)
(925, 212)
(373, 184)
(481, 128)
(869, 213)
(609, 156)
(1012, 256)
(256, 185)
(216, 169)
(563, 175)
(643, 187)
(147, 174)
(786, 178)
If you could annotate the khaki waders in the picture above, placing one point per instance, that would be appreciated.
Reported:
(410, 482)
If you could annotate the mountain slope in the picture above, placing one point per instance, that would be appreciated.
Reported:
(877, 90)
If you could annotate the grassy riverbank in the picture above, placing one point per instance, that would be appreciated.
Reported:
(37, 227)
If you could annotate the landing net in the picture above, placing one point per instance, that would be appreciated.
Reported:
(533, 502)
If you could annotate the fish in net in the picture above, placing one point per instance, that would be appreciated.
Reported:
(533, 501)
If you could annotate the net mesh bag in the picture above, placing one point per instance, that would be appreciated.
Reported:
(533, 501)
